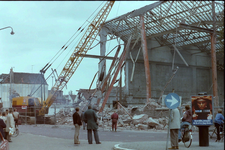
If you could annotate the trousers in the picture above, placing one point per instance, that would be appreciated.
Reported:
(174, 137)
(89, 134)
(76, 135)
(114, 124)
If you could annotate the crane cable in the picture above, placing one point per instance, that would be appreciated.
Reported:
(73, 37)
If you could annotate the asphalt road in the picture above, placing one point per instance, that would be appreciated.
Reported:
(67, 132)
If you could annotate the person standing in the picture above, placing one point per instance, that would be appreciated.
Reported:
(4, 118)
(9, 124)
(174, 127)
(77, 123)
(114, 118)
(186, 120)
(2, 126)
(82, 118)
(219, 123)
(90, 118)
(16, 117)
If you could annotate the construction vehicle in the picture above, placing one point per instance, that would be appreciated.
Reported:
(72, 64)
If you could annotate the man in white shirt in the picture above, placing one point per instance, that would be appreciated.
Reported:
(9, 124)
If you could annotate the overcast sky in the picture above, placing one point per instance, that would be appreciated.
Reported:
(42, 28)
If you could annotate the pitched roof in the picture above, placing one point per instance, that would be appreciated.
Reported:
(23, 78)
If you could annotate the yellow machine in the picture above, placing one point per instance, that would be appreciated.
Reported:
(75, 59)
(26, 105)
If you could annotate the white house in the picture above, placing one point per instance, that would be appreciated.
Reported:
(22, 84)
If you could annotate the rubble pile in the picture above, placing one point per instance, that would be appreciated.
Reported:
(64, 117)
(130, 118)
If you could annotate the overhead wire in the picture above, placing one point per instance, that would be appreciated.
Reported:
(68, 43)
(72, 39)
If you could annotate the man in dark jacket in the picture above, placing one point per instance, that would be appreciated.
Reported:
(77, 123)
(186, 120)
(90, 118)
(2, 125)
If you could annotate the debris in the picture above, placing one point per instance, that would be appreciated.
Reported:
(130, 118)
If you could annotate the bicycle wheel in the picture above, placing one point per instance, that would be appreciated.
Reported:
(16, 133)
(188, 143)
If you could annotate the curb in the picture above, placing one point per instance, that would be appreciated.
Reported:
(117, 147)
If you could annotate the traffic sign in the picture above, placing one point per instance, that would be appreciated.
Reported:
(172, 100)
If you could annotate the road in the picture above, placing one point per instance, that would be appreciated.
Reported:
(67, 132)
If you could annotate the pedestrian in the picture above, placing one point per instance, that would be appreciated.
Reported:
(2, 126)
(9, 124)
(16, 117)
(186, 120)
(77, 123)
(114, 118)
(6, 112)
(174, 127)
(4, 118)
(219, 123)
(90, 118)
(82, 118)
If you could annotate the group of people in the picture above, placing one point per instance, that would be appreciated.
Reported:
(176, 125)
(90, 118)
(8, 120)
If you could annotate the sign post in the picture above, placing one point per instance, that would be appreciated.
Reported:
(172, 101)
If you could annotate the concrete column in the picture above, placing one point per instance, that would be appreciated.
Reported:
(194, 81)
(146, 60)
(102, 64)
(214, 70)
(127, 83)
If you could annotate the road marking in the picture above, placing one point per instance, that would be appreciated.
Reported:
(131, 135)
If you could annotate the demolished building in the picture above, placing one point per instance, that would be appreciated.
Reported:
(165, 36)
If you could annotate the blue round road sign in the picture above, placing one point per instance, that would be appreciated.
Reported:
(172, 101)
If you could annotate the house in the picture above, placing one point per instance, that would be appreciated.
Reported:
(22, 84)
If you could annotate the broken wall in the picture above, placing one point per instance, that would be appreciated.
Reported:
(189, 80)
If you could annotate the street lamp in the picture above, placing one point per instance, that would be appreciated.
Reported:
(9, 27)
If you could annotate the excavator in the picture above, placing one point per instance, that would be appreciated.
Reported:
(67, 72)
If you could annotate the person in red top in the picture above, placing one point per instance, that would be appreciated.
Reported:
(114, 118)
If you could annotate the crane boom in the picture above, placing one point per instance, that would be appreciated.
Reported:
(78, 54)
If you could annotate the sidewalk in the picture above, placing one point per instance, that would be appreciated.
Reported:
(159, 145)
(26, 141)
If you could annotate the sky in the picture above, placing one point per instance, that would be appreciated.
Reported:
(43, 27)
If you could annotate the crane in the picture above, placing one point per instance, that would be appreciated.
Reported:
(77, 55)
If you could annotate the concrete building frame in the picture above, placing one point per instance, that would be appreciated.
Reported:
(169, 46)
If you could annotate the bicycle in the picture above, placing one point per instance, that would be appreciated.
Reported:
(215, 132)
(186, 135)
(16, 132)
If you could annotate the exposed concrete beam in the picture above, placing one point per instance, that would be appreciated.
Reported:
(146, 60)
(97, 56)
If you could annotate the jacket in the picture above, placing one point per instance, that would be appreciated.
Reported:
(219, 118)
(90, 118)
(115, 116)
(187, 117)
(175, 119)
(10, 122)
(76, 119)
(2, 125)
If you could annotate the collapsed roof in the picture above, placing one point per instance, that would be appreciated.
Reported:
(162, 21)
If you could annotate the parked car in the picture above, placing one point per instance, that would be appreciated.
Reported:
(4, 144)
